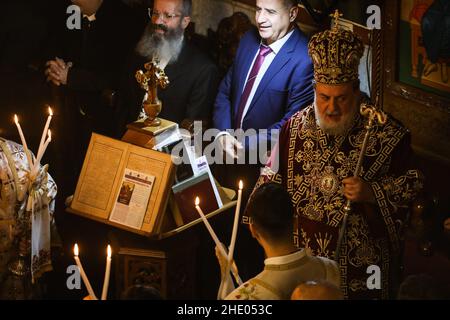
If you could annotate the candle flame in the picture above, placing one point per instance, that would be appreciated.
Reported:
(75, 249)
(50, 111)
(16, 119)
(197, 201)
(241, 185)
(109, 251)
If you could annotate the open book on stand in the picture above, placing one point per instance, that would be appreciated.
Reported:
(124, 185)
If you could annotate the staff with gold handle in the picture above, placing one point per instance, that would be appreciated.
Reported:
(374, 116)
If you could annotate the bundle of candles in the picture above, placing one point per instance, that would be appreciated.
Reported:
(86, 282)
(35, 194)
(229, 266)
(34, 164)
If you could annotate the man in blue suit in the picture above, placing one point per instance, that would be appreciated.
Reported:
(270, 80)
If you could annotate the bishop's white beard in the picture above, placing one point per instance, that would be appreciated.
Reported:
(332, 128)
(166, 48)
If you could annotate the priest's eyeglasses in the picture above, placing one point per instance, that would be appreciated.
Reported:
(153, 14)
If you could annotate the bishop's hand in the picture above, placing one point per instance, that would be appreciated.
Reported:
(358, 190)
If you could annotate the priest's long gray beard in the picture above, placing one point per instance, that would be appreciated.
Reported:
(165, 48)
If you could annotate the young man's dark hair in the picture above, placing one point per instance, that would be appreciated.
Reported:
(271, 212)
(270, 209)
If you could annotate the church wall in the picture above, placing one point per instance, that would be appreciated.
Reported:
(207, 13)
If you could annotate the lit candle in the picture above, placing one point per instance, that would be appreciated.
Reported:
(208, 226)
(235, 228)
(24, 142)
(107, 273)
(41, 154)
(83, 274)
(44, 133)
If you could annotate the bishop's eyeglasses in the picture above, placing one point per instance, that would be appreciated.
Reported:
(153, 14)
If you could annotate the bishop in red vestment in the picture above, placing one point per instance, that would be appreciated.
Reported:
(318, 152)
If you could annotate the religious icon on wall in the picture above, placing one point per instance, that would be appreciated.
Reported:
(424, 45)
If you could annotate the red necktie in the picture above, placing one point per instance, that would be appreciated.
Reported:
(263, 52)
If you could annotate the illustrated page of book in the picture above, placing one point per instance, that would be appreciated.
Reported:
(131, 204)
(150, 163)
(99, 177)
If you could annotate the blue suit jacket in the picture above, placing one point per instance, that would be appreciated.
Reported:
(285, 88)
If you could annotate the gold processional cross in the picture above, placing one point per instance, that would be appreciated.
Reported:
(150, 80)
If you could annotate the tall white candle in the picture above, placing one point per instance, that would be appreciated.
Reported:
(107, 273)
(235, 228)
(44, 133)
(24, 142)
(83, 274)
(41, 154)
(208, 226)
